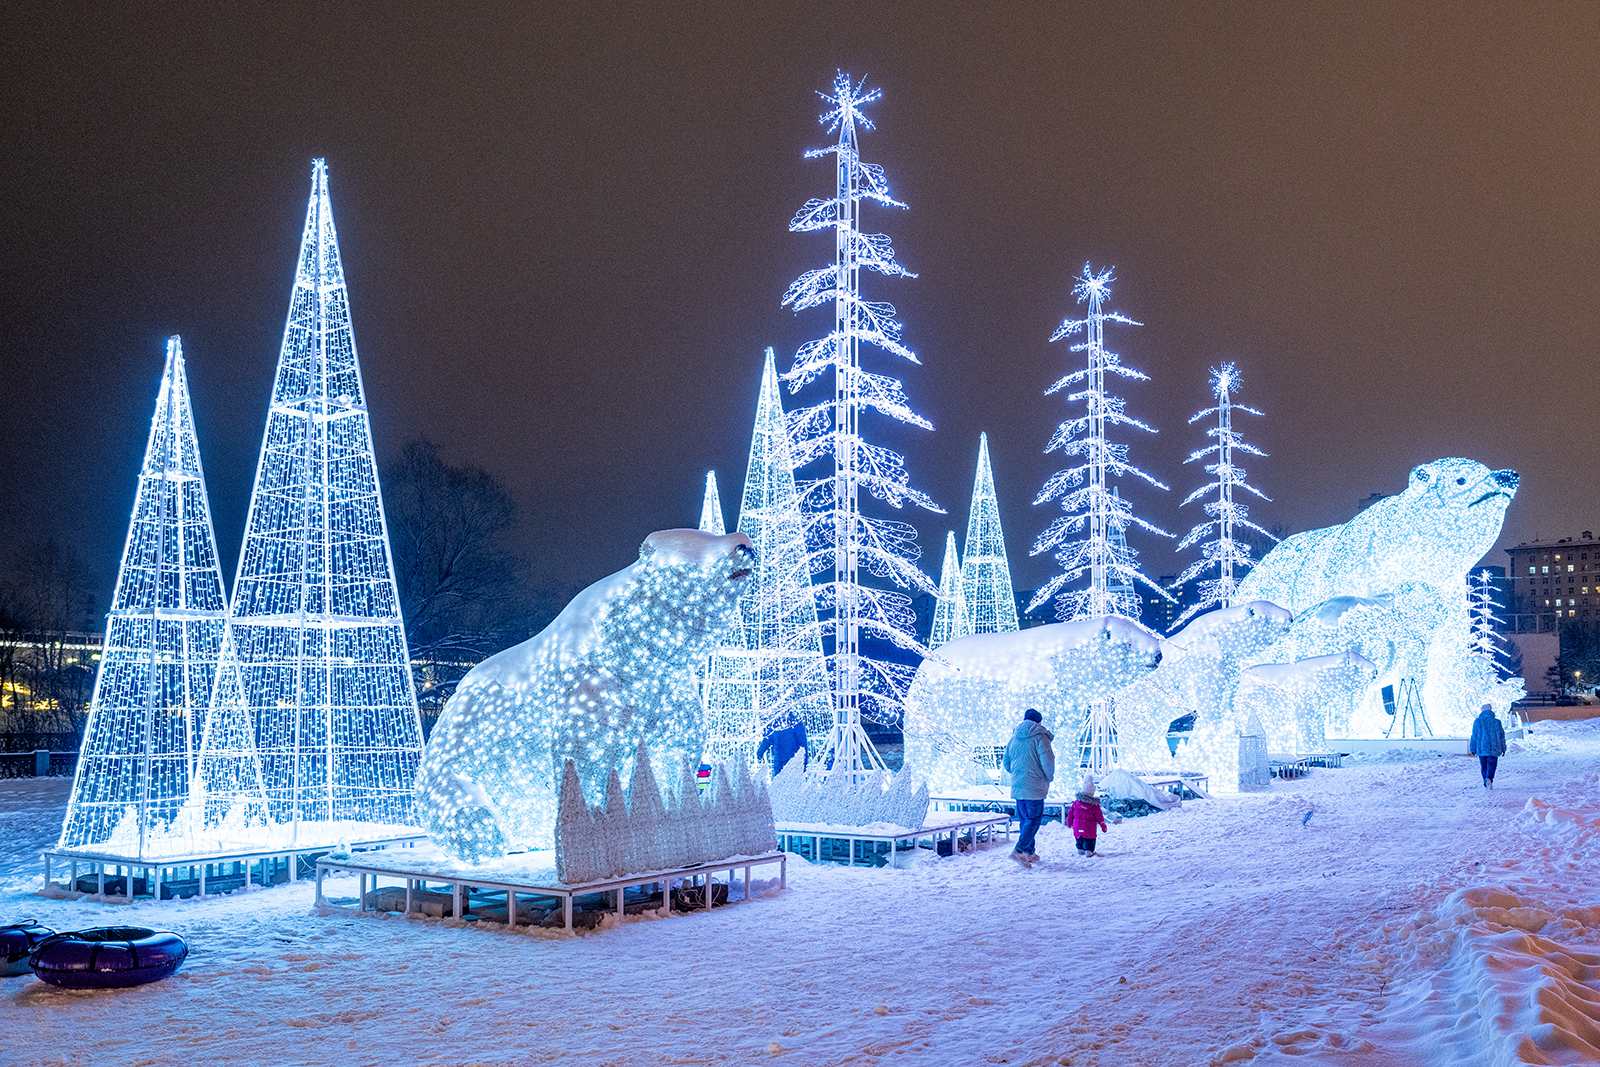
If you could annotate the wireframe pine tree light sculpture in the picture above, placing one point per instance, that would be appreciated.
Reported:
(1091, 508)
(952, 617)
(985, 574)
(316, 625)
(1485, 641)
(163, 635)
(840, 537)
(1225, 553)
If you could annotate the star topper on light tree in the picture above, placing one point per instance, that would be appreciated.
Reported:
(1225, 553)
(840, 538)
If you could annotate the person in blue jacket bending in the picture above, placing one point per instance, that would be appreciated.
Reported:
(786, 738)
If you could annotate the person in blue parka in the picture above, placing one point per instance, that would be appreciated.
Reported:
(1031, 763)
(785, 739)
(1488, 743)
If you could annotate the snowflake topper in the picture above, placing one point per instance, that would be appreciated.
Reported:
(847, 101)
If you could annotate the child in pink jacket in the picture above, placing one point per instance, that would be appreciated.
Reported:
(1085, 816)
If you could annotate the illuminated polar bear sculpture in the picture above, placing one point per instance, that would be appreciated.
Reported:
(1407, 558)
(615, 669)
(1200, 670)
(967, 698)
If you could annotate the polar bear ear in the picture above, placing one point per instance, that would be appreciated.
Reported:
(1421, 474)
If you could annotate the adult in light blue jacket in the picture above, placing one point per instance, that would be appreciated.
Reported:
(1488, 743)
(1031, 763)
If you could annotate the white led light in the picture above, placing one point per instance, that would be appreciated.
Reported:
(1093, 509)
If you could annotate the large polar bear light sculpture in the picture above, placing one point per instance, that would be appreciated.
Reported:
(615, 669)
(1391, 584)
(968, 697)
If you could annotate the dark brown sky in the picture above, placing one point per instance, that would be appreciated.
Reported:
(564, 230)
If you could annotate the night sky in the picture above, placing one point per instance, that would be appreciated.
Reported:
(564, 229)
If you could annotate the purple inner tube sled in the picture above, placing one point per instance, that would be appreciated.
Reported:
(109, 957)
(17, 942)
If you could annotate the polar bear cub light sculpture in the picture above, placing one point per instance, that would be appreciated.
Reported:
(614, 670)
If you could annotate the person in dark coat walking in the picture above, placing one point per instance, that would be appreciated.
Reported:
(1488, 743)
(785, 739)
(1031, 763)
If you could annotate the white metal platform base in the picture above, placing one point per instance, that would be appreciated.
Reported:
(515, 877)
(218, 871)
(937, 826)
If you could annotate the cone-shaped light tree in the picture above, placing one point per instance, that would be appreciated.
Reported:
(163, 637)
(985, 574)
(711, 508)
(1090, 537)
(842, 540)
(315, 617)
(1223, 514)
(776, 671)
(951, 617)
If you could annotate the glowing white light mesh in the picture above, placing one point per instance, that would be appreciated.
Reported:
(619, 667)
(1225, 553)
(839, 537)
(711, 508)
(1390, 583)
(316, 624)
(163, 634)
(985, 574)
(951, 617)
(772, 670)
(1090, 507)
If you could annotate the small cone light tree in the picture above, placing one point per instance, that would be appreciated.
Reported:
(711, 508)
(1226, 554)
(951, 618)
(842, 539)
(164, 634)
(985, 574)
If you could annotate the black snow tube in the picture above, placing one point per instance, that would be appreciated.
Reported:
(109, 957)
(17, 942)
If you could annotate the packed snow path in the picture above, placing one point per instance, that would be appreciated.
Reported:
(1230, 931)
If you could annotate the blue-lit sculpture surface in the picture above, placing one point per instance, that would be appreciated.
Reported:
(618, 667)
(967, 699)
(1392, 584)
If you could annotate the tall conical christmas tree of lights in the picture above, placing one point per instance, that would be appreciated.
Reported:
(711, 508)
(985, 574)
(1485, 641)
(315, 618)
(1091, 508)
(163, 635)
(952, 617)
(1225, 553)
(840, 537)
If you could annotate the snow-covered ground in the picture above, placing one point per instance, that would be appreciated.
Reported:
(1415, 919)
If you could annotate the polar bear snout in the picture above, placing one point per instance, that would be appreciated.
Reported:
(744, 561)
(1507, 479)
